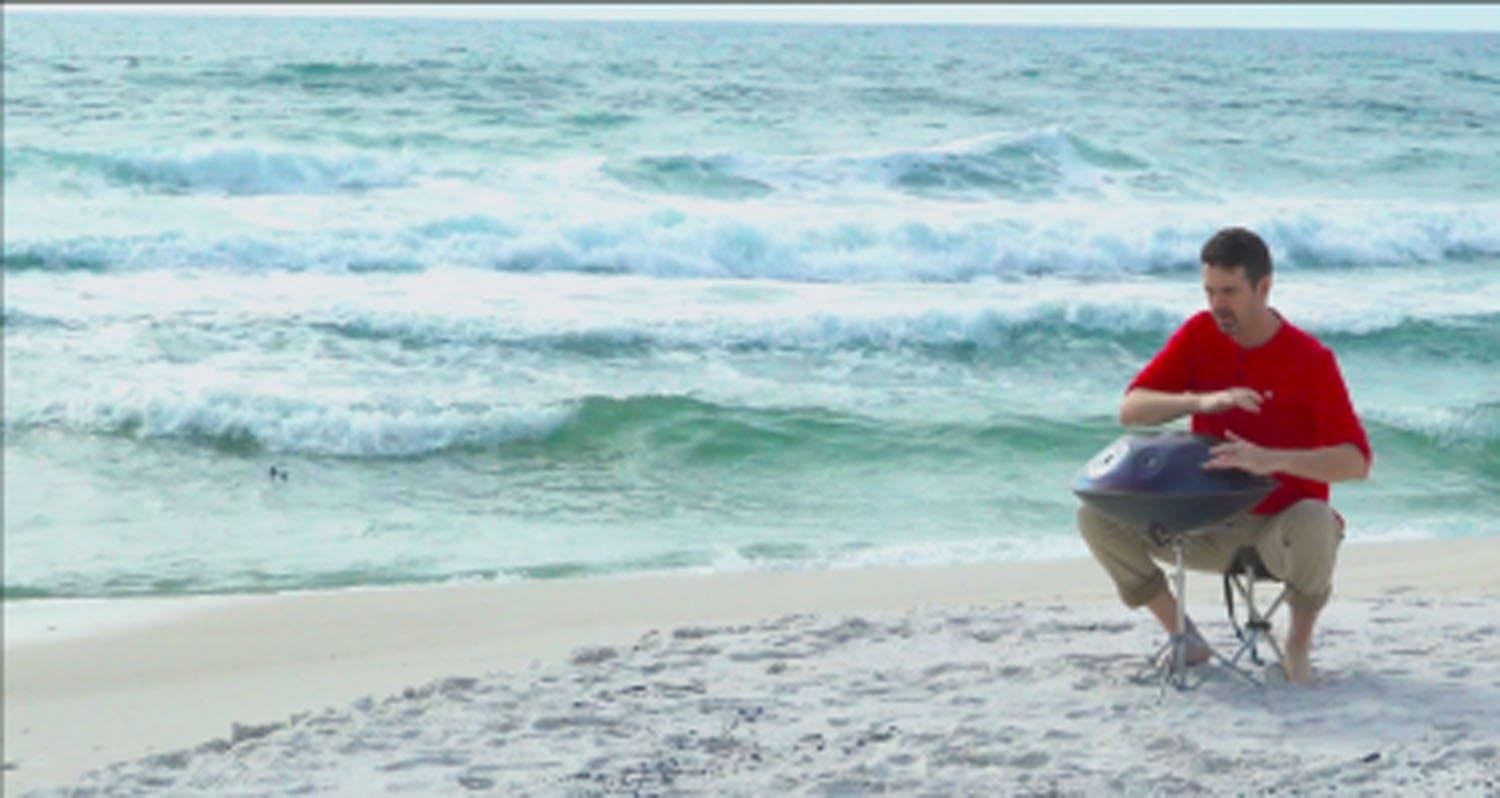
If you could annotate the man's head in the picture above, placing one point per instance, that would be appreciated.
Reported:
(1237, 281)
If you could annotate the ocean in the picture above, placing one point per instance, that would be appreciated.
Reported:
(542, 300)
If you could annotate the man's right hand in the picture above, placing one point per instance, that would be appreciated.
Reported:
(1143, 406)
(1247, 399)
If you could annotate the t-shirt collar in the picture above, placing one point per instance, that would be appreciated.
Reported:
(1267, 344)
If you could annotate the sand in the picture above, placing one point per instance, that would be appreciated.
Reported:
(975, 680)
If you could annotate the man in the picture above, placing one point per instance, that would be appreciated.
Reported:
(1276, 395)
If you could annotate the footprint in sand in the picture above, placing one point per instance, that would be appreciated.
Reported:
(1031, 759)
(476, 783)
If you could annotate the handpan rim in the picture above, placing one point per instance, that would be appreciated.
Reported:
(1261, 489)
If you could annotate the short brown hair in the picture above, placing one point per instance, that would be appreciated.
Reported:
(1236, 247)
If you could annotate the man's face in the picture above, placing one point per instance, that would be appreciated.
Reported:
(1231, 298)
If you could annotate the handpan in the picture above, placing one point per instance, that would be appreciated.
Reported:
(1155, 481)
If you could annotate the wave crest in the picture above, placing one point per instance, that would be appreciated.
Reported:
(1043, 164)
(245, 424)
(652, 426)
(237, 170)
(249, 171)
(802, 246)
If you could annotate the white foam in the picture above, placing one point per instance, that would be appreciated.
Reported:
(461, 307)
(277, 422)
(568, 216)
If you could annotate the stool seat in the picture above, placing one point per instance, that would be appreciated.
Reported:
(1247, 559)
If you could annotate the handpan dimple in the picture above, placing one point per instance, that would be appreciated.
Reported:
(1156, 480)
(1151, 463)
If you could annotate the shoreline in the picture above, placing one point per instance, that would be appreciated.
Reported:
(171, 674)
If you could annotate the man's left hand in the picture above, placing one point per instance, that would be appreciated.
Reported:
(1242, 454)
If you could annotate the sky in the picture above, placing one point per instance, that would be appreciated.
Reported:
(1466, 17)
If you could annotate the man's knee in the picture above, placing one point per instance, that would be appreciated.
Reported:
(1124, 554)
(1089, 520)
(1310, 523)
(1096, 527)
(1105, 534)
(1308, 535)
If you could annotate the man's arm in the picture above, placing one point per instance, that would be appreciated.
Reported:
(1143, 406)
(1338, 463)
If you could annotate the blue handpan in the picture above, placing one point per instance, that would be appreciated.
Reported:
(1155, 481)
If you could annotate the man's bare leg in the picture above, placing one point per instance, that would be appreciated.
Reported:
(1164, 607)
(1298, 662)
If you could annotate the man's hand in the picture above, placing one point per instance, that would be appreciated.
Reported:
(1247, 399)
(1244, 455)
(1145, 406)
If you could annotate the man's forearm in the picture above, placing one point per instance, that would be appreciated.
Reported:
(1328, 464)
(1143, 406)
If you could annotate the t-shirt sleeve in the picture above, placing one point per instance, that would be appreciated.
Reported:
(1171, 370)
(1336, 420)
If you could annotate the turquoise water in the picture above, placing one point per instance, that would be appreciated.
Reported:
(535, 300)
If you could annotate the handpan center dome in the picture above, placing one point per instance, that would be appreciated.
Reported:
(1156, 480)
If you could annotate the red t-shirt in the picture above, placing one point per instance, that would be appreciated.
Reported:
(1306, 404)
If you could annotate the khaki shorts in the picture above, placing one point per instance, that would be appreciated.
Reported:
(1298, 545)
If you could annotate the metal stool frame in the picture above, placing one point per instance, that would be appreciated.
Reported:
(1173, 670)
(1244, 571)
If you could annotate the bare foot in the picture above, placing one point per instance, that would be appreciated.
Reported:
(1197, 652)
(1298, 663)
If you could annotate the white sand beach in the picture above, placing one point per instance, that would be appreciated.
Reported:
(981, 680)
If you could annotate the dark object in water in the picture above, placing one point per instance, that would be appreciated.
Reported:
(279, 473)
(1155, 481)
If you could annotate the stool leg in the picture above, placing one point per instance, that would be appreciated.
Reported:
(1179, 633)
(1256, 626)
(1171, 658)
(1275, 646)
(1253, 621)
